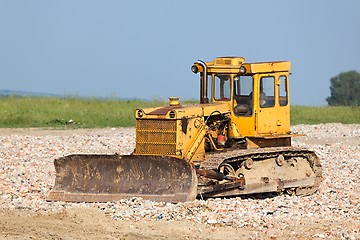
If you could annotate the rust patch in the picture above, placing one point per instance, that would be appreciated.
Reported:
(163, 110)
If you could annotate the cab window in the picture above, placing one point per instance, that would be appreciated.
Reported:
(283, 94)
(267, 92)
(222, 88)
(243, 92)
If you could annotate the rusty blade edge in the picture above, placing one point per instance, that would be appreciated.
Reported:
(90, 197)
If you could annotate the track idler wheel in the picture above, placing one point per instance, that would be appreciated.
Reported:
(248, 163)
(280, 160)
(227, 169)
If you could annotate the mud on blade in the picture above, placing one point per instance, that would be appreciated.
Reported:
(101, 178)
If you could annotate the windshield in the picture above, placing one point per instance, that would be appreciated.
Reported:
(222, 87)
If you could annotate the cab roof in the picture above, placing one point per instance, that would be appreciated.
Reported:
(233, 65)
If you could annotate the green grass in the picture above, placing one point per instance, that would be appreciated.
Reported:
(325, 114)
(74, 112)
(68, 112)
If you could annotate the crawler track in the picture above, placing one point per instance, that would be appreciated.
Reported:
(290, 170)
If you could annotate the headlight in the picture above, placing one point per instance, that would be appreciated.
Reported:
(140, 113)
(242, 70)
(172, 114)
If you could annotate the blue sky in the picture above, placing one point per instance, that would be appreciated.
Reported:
(144, 49)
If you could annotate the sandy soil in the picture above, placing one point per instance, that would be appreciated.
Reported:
(91, 223)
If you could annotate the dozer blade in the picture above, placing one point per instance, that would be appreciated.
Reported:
(102, 178)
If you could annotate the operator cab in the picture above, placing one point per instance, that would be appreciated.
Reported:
(257, 93)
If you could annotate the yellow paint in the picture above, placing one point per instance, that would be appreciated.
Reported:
(180, 131)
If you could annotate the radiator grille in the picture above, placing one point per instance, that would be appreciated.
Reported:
(155, 137)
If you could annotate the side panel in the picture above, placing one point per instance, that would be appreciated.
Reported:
(267, 121)
(242, 126)
(192, 141)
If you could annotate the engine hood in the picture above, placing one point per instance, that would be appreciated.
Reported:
(182, 111)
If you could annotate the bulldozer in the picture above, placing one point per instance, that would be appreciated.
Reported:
(236, 141)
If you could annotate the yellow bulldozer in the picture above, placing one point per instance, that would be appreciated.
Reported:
(236, 141)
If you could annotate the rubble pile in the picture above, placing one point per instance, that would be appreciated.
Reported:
(27, 174)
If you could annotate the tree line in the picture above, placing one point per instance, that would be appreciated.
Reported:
(345, 89)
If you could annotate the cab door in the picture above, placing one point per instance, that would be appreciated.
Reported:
(242, 119)
(267, 112)
(273, 109)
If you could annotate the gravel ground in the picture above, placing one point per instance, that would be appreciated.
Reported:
(27, 174)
